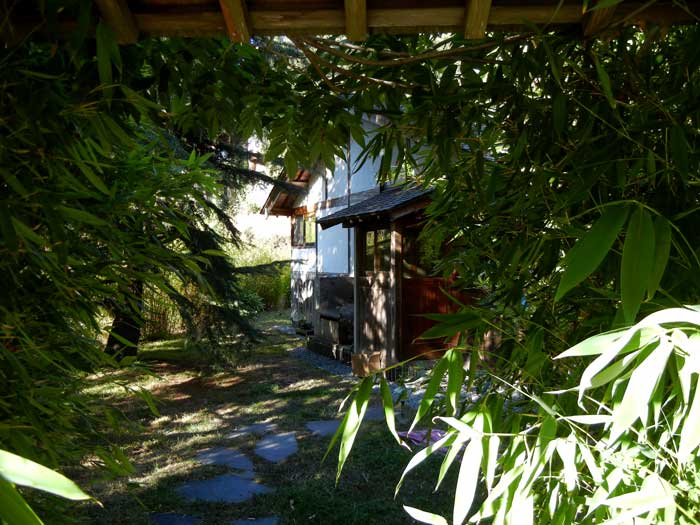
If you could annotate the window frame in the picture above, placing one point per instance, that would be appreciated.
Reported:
(302, 223)
(376, 251)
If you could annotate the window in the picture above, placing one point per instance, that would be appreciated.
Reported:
(377, 251)
(303, 231)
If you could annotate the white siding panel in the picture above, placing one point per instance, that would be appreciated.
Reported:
(303, 260)
(332, 246)
(315, 194)
(337, 180)
(364, 178)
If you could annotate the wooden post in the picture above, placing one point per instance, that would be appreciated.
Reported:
(476, 18)
(356, 19)
(396, 296)
(358, 239)
(236, 16)
(117, 16)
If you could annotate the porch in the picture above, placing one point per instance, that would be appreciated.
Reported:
(392, 284)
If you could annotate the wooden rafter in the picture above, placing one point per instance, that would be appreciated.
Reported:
(596, 20)
(236, 17)
(118, 17)
(476, 18)
(356, 19)
(306, 17)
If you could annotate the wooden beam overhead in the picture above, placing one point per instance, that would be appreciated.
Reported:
(356, 19)
(476, 18)
(236, 17)
(117, 16)
(597, 20)
(199, 18)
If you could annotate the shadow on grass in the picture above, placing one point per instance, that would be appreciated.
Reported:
(199, 408)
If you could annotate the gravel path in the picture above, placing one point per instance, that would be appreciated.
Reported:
(319, 361)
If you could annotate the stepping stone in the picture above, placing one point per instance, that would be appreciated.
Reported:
(277, 447)
(228, 488)
(229, 457)
(323, 428)
(170, 518)
(374, 414)
(285, 329)
(257, 429)
(272, 520)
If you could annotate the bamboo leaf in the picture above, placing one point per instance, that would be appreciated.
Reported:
(81, 216)
(605, 83)
(590, 250)
(468, 476)
(104, 41)
(690, 433)
(424, 517)
(652, 495)
(94, 179)
(614, 370)
(423, 454)
(604, 490)
(593, 345)
(13, 509)
(679, 151)
(9, 236)
(670, 315)
(566, 449)
(637, 262)
(642, 383)
(492, 460)
(449, 458)
(25, 472)
(521, 510)
(505, 483)
(26, 233)
(356, 411)
(388, 403)
(449, 329)
(437, 373)
(602, 4)
(589, 460)
(455, 379)
(662, 250)
(559, 115)
(590, 419)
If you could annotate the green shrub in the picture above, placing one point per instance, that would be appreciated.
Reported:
(273, 289)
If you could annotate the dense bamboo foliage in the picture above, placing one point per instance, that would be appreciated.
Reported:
(566, 177)
(110, 191)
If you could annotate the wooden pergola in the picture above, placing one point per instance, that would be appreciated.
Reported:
(242, 19)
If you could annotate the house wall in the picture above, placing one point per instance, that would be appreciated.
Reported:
(337, 180)
(319, 270)
(363, 177)
(333, 247)
(304, 264)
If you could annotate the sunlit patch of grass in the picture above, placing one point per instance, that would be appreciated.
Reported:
(200, 407)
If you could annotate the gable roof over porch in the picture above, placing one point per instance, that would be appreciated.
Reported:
(390, 203)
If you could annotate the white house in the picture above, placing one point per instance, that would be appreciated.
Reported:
(357, 280)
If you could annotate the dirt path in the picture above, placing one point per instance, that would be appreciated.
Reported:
(201, 410)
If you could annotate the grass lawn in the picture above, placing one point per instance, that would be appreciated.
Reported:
(199, 405)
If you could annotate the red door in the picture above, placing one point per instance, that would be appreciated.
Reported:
(425, 295)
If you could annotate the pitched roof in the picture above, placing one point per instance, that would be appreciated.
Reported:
(383, 204)
(281, 198)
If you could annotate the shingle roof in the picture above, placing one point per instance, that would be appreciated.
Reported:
(382, 204)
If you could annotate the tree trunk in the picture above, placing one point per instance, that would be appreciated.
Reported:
(126, 325)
